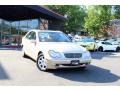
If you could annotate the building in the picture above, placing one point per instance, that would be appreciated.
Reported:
(114, 28)
(15, 21)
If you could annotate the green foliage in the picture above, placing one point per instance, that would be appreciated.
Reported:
(94, 20)
(97, 17)
(75, 16)
(117, 11)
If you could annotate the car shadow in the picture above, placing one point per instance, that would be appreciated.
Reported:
(3, 73)
(90, 74)
(15, 49)
(100, 55)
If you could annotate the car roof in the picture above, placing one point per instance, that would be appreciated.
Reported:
(38, 30)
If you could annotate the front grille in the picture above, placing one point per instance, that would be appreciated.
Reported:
(73, 55)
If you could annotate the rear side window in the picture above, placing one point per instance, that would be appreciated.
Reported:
(106, 43)
(31, 35)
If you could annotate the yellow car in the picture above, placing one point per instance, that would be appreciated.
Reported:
(87, 42)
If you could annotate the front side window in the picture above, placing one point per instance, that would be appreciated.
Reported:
(53, 37)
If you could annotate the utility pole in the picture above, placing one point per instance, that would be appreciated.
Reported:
(0, 35)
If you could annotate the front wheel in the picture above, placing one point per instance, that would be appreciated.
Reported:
(100, 49)
(41, 62)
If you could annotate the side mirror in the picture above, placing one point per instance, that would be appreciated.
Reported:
(96, 41)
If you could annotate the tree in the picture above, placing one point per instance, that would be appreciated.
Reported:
(92, 21)
(75, 16)
(116, 9)
(97, 19)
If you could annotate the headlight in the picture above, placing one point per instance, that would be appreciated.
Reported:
(54, 54)
(86, 55)
(92, 44)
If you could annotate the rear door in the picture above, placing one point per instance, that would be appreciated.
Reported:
(30, 45)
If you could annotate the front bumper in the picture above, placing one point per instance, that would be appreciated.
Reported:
(54, 64)
(89, 47)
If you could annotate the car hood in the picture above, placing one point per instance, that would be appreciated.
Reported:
(61, 47)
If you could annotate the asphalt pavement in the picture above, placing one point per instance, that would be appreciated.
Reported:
(16, 70)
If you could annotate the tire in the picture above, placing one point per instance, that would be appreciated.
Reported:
(100, 49)
(41, 62)
(117, 49)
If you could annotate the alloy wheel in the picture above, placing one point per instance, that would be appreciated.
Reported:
(41, 63)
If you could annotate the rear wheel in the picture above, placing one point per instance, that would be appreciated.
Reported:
(100, 49)
(41, 62)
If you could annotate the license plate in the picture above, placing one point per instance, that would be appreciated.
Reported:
(75, 62)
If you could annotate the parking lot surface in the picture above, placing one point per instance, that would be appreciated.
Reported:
(16, 70)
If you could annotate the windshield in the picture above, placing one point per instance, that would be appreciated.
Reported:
(86, 39)
(53, 37)
(107, 43)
